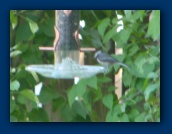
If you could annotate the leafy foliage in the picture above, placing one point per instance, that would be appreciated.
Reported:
(93, 99)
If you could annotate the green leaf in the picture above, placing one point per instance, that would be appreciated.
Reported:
(151, 88)
(119, 57)
(124, 118)
(108, 101)
(147, 68)
(27, 94)
(109, 34)
(12, 105)
(33, 25)
(134, 48)
(77, 91)
(35, 76)
(152, 75)
(13, 19)
(104, 79)
(59, 103)
(112, 117)
(13, 119)
(46, 96)
(123, 107)
(14, 85)
(153, 59)
(71, 96)
(155, 50)
(92, 82)
(67, 113)
(154, 25)
(138, 14)
(48, 27)
(79, 109)
(148, 117)
(103, 26)
(124, 36)
(15, 53)
(98, 95)
(134, 113)
(140, 118)
(117, 109)
(111, 88)
(127, 13)
(95, 38)
(38, 115)
(127, 78)
(23, 33)
(143, 67)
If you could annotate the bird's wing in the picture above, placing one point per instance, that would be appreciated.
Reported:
(107, 58)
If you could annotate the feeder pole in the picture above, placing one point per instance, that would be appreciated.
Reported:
(66, 44)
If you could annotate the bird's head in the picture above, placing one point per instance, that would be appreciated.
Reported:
(97, 54)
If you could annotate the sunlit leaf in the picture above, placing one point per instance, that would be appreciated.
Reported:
(33, 25)
(152, 75)
(26, 94)
(14, 85)
(149, 90)
(127, 13)
(138, 14)
(15, 53)
(13, 19)
(154, 25)
(124, 118)
(34, 74)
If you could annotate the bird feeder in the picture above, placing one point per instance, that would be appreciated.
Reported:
(66, 50)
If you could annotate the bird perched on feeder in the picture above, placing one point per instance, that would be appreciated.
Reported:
(106, 60)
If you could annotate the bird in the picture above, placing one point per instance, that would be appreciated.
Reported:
(106, 60)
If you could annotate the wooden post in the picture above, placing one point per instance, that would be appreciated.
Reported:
(118, 77)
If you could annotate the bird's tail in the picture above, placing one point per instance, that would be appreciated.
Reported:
(124, 65)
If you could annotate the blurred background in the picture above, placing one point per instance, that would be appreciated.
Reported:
(131, 36)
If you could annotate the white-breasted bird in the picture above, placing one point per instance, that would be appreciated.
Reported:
(106, 60)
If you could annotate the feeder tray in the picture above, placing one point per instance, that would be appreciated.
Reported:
(68, 69)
